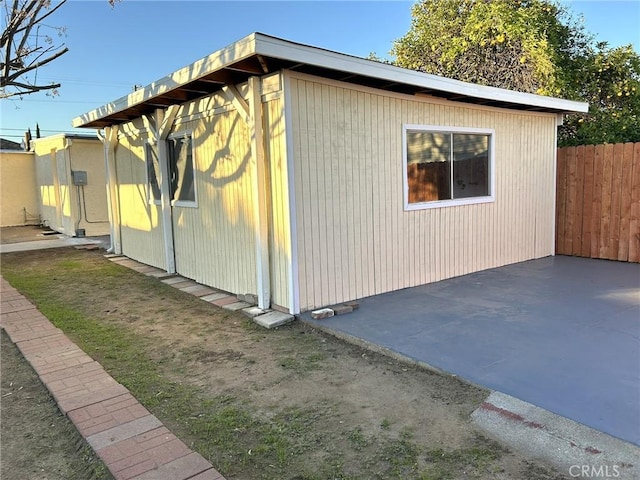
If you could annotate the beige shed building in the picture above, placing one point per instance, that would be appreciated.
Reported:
(70, 184)
(18, 195)
(309, 177)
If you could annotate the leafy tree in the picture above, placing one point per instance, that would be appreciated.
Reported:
(610, 82)
(534, 46)
(503, 43)
(25, 48)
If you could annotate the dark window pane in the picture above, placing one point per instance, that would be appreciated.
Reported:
(428, 166)
(182, 174)
(153, 169)
(470, 165)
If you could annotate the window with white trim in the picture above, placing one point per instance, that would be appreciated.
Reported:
(447, 166)
(181, 170)
(153, 172)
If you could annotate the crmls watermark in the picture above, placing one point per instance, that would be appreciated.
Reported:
(594, 471)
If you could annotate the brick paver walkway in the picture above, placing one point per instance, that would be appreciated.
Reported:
(132, 442)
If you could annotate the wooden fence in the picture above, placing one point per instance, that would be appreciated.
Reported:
(598, 201)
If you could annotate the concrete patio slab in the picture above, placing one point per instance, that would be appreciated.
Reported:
(62, 241)
(562, 333)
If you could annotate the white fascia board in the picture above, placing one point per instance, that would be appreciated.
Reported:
(258, 43)
(55, 136)
(275, 47)
(237, 51)
(72, 136)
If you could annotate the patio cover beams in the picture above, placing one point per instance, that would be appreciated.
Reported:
(259, 54)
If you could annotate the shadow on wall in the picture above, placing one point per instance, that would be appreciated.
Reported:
(216, 239)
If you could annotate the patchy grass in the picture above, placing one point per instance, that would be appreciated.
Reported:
(385, 424)
(451, 464)
(284, 404)
(307, 363)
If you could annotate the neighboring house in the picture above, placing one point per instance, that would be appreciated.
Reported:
(10, 145)
(309, 177)
(18, 194)
(71, 184)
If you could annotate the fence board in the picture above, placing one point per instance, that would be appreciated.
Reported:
(589, 153)
(561, 192)
(598, 201)
(634, 215)
(625, 202)
(605, 217)
(571, 201)
(616, 200)
(598, 169)
(578, 206)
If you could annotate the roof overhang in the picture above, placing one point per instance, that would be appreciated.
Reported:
(70, 136)
(260, 54)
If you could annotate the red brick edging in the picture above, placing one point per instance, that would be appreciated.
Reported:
(132, 442)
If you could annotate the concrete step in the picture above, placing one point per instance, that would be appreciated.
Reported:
(273, 319)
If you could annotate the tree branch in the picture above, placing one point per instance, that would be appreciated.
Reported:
(22, 50)
(4, 82)
(12, 23)
(39, 20)
(27, 31)
(28, 88)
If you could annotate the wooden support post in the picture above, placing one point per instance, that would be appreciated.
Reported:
(159, 126)
(109, 141)
(251, 113)
(261, 201)
(164, 122)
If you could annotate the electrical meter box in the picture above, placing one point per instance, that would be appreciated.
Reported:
(79, 177)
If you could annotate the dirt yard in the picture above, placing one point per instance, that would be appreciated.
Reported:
(291, 403)
(28, 233)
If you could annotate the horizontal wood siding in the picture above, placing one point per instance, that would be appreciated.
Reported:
(141, 222)
(215, 242)
(598, 201)
(354, 238)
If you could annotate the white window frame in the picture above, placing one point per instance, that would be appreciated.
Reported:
(456, 201)
(186, 203)
(150, 199)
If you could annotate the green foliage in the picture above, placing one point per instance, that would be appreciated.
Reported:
(610, 82)
(534, 46)
(503, 43)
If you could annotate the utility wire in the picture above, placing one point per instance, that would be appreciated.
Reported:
(22, 129)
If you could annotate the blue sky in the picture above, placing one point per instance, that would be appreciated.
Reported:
(137, 42)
